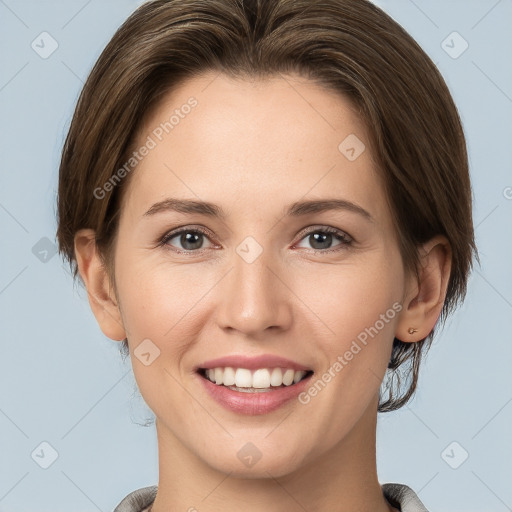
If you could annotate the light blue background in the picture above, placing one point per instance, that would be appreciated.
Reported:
(63, 382)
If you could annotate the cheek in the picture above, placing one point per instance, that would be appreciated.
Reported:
(156, 297)
(357, 307)
(168, 304)
(350, 298)
(160, 303)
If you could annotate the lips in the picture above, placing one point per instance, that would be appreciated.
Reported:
(254, 401)
(252, 363)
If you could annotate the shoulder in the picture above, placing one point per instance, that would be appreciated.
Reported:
(402, 496)
(397, 494)
(138, 500)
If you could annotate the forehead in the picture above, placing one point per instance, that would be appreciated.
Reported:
(253, 141)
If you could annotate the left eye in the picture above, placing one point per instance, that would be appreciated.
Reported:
(322, 237)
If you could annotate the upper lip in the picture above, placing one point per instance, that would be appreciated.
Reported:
(252, 362)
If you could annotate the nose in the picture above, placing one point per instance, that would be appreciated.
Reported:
(254, 297)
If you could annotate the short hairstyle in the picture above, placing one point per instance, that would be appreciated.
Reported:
(350, 47)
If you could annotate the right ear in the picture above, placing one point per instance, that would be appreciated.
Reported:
(95, 277)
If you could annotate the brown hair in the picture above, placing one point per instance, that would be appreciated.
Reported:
(348, 46)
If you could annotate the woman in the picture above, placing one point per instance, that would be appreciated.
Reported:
(269, 205)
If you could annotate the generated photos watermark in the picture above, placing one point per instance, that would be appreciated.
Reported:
(152, 140)
(355, 347)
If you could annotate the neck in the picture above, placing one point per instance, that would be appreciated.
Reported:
(343, 479)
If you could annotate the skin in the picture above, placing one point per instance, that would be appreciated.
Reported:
(254, 148)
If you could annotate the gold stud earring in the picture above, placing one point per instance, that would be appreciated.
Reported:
(412, 330)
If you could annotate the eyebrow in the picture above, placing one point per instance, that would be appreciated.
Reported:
(297, 209)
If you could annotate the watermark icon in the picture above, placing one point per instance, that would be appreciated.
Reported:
(249, 454)
(454, 455)
(146, 352)
(44, 455)
(507, 192)
(152, 140)
(355, 347)
(351, 147)
(44, 249)
(454, 45)
(44, 45)
(249, 249)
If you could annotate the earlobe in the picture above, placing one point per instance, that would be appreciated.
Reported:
(95, 277)
(425, 298)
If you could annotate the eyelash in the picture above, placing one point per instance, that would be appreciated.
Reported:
(344, 239)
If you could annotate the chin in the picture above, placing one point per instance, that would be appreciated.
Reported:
(251, 462)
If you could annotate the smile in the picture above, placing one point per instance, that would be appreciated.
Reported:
(253, 381)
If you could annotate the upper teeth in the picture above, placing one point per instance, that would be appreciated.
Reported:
(261, 378)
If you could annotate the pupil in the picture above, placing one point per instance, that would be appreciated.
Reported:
(327, 237)
(188, 238)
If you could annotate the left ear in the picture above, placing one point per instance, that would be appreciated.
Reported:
(425, 297)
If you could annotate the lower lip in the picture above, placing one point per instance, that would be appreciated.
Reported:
(253, 403)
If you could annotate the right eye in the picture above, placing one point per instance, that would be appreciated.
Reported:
(191, 240)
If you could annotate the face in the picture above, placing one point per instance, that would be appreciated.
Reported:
(321, 288)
